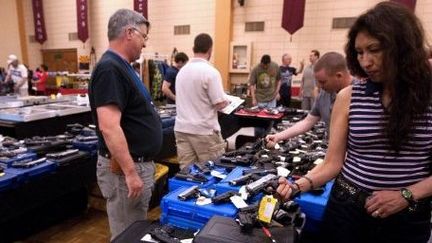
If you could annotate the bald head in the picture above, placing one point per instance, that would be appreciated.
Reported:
(286, 59)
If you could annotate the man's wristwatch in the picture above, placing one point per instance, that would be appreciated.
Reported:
(407, 195)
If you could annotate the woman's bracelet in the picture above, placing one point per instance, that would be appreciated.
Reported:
(297, 185)
(310, 181)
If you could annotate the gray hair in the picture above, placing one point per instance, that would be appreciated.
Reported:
(123, 18)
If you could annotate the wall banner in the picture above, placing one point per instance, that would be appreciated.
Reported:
(82, 20)
(39, 22)
(141, 7)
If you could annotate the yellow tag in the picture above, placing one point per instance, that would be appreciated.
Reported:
(266, 208)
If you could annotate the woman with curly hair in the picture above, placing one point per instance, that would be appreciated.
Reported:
(380, 147)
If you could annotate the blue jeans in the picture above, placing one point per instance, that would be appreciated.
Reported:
(345, 221)
(270, 104)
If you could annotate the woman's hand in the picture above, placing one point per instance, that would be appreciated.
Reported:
(284, 189)
(385, 203)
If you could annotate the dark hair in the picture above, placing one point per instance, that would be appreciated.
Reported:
(265, 59)
(331, 62)
(181, 57)
(202, 43)
(407, 73)
(44, 67)
(316, 53)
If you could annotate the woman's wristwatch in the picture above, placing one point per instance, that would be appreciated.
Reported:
(408, 196)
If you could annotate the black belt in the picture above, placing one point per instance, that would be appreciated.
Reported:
(136, 159)
(347, 190)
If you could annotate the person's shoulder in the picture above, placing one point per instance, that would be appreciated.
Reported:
(22, 67)
(345, 93)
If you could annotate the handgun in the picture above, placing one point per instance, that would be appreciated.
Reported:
(261, 172)
(244, 179)
(62, 154)
(224, 197)
(162, 236)
(192, 191)
(203, 168)
(269, 180)
(27, 164)
(191, 177)
(86, 138)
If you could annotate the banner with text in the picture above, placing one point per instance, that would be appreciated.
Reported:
(141, 7)
(82, 20)
(39, 22)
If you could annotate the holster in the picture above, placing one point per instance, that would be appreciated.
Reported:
(115, 167)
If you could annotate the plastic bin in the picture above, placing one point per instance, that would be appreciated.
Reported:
(7, 180)
(314, 206)
(188, 215)
(174, 183)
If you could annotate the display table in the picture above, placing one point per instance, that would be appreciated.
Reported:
(45, 127)
(46, 200)
(65, 91)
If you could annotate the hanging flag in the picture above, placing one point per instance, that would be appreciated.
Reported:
(141, 7)
(39, 22)
(82, 20)
(293, 15)
(408, 3)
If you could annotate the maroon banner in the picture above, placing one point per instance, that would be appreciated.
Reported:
(39, 22)
(141, 7)
(408, 3)
(82, 20)
(293, 15)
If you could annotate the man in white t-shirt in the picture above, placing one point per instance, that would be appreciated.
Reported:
(18, 74)
(199, 96)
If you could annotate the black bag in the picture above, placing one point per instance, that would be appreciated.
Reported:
(225, 230)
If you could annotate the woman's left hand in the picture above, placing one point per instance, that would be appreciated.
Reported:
(385, 203)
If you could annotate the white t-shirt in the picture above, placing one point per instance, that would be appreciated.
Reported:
(19, 73)
(198, 89)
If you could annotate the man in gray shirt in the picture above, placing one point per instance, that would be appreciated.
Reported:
(308, 84)
(332, 75)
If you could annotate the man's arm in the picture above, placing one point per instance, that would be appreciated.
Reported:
(166, 90)
(276, 94)
(297, 129)
(301, 68)
(252, 88)
(109, 125)
(219, 106)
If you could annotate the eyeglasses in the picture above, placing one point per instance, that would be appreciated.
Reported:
(144, 36)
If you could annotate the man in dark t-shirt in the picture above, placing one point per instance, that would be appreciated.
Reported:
(287, 72)
(168, 85)
(128, 127)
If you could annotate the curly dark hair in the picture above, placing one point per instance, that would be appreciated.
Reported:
(407, 72)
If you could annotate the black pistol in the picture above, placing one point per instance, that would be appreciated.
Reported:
(224, 197)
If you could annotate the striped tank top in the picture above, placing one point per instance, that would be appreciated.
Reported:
(370, 163)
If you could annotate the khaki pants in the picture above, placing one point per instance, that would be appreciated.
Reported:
(123, 211)
(198, 148)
